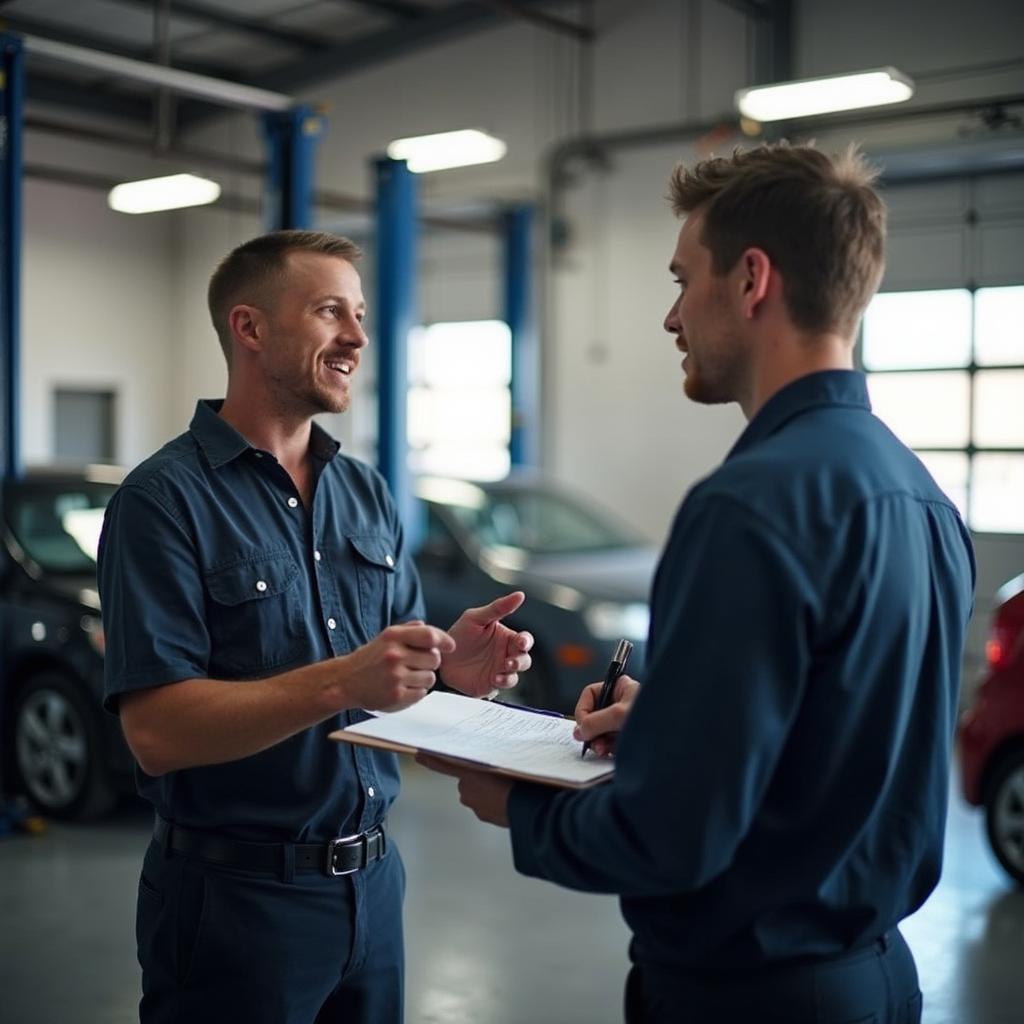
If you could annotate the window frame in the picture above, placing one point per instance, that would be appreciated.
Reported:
(972, 368)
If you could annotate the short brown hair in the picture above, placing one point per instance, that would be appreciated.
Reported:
(817, 217)
(247, 273)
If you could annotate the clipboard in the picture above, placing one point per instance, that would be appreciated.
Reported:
(500, 738)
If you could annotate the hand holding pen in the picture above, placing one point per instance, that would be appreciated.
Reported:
(615, 669)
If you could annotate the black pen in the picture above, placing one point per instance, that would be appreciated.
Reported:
(615, 669)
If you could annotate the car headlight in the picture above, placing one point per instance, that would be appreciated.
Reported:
(610, 621)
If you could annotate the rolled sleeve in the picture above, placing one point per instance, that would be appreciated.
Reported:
(729, 651)
(151, 595)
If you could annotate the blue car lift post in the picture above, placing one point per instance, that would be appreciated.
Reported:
(396, 316)
(524, 445)
(12, 87)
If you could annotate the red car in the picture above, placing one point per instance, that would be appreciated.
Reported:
(991, 735)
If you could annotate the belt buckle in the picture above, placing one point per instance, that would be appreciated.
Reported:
(333, 844)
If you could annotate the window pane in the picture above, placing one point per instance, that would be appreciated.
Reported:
(997, 493)
(916, 330)
(924, 410)
(950, 472)
(469, 461)
(999, 326)
(472, 417)
(999, 409)
(463, 354)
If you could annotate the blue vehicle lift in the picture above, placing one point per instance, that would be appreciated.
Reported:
(524, 448)
(395, 312)
(12, 96)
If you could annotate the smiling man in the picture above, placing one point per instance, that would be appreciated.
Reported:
(257, 594)
(781, 774)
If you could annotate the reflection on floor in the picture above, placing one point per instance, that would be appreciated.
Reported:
(484, 945)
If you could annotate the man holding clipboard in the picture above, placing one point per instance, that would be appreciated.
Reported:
(781, 778)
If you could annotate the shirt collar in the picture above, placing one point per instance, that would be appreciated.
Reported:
(825, 388)
(221, 443)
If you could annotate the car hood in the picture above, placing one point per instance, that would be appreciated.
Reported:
(624, 574)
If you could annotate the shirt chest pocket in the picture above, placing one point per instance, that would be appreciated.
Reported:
(254, 614)
(374, 558)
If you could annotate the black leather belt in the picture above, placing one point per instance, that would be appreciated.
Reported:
(340, 856)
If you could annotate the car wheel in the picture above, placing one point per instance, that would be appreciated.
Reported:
(1004, 815)
(58, 757)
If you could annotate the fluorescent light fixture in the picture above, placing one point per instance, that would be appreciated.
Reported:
(811, 96)
(169, 193)
(447, 149)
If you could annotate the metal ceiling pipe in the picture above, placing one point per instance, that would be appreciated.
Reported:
(186, 83)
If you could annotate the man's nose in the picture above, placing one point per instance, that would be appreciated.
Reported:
(354, 334)
(672, 320)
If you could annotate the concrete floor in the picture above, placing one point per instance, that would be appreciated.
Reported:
(484, 945)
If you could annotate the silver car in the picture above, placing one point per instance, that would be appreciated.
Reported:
(586, 577)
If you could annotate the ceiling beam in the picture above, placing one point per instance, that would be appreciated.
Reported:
(96, 41)
(518, 9)
(440, 24)
(219, 19)
(398, 8)
(61, 92)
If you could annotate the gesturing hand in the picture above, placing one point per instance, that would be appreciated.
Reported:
(395, 669)
(488, 655)
(601, 727)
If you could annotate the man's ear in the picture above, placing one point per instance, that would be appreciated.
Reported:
(248, 327)
(756, 277)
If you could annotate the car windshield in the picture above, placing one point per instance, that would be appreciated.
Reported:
(539, 523)
(58, 524)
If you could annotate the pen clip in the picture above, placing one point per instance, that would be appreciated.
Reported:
(622, 652)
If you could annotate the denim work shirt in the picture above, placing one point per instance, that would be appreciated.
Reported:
(781, 782)
(210, 567)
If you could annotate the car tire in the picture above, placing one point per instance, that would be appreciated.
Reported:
(57, 749)
(1004, 814)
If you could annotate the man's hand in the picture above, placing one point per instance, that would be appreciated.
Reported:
(601, 727)
(488, 655)
(485, 794)
(395, 669)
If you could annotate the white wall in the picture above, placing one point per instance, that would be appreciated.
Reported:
(98, 312)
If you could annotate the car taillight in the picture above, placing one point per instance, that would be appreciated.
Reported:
(1006, 637)
(997, 648)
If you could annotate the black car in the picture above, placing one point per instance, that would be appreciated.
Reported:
(586, 576)
(59, 747)
(586, 580)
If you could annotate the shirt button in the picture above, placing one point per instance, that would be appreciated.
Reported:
(259, 455)
(316, 556)
(371, 792)
(261, 585)
(293, 502)
(331, 624)
(389, 560)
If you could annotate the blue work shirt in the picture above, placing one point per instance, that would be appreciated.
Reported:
(210, 567)
(781, 782)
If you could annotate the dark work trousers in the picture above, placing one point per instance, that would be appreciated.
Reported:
(877, 985)
(222, 944)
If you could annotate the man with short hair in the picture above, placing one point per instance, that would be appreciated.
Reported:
(257, 594)
(780, 791)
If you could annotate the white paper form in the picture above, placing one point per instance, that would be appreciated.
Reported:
(501, 737)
